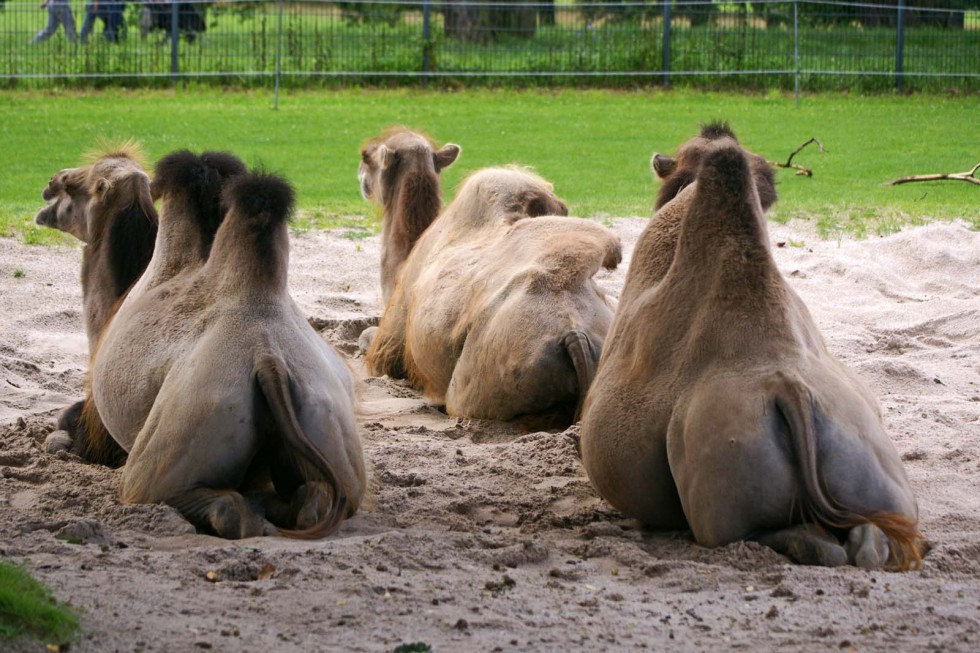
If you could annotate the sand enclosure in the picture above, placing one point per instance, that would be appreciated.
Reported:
(479, 537)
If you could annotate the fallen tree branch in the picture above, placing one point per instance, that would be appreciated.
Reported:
(800, 170)
(961, 176)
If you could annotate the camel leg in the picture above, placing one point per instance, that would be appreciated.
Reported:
(806, 545)
(867, 547)
(225, 512)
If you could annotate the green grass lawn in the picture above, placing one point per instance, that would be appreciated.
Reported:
(594, 145)
(27, 608)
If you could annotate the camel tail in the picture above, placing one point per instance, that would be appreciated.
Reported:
(274, 383)
(584, 354)
(90, 440)
(795, 403)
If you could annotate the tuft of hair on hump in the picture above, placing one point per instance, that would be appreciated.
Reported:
(129, 148)
(261, 199)
(717, 129)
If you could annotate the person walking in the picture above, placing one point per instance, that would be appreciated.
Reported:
(59, 13)
(110, 12)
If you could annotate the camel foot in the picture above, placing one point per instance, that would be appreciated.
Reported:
(366, 338)
(806, 546)
(867, 547)
(57, 441)
(317, 502)
(224, 512)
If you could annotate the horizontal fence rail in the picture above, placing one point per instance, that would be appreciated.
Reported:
(813, 45)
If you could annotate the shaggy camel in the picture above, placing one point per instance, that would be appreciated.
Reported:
(106, 205)
(400, 171)
(495, 313)
(716, 405)
(217, 386)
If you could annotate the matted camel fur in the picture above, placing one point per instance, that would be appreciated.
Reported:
(716, 405)
(107, 205)
(495, 311)
(217, 386)
(400, 171)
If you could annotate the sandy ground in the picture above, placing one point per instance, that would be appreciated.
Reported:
(479, 537)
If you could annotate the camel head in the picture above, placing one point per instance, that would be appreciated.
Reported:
(112, 192)
(511, 192)
(399, 155)
(679, 172)
(67, 197)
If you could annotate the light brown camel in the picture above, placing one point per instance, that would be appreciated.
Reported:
(400, 171)
(217, 386)
(716, 405)
(107, 205)
(495, 311)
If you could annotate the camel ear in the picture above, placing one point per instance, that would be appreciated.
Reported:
(386, 156)
(365, 155)
(102, 187)
(446, 156)
(663, 165)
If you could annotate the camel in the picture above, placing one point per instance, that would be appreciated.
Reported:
(107, 205)
(495, 311)
(716, 405)
(400, 171)
(232, 408)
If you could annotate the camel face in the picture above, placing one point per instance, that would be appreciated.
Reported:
(399, 170)
(496, 312)
(67, 200)
(716, 405)
(213, 380)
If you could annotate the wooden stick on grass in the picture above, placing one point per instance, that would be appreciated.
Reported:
(800, 170)
(962, 176)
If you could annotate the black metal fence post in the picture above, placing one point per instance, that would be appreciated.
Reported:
(278, 56)
(174, 41)
(900, 46)
(426, 43)
(666, 53)
(796, 52)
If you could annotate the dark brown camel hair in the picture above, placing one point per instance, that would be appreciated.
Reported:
(496, 311)
(196, 184)
(716, 405)
(216, 384)
(107, 205)
(400, 171)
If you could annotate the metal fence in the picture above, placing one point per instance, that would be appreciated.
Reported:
(809, 45)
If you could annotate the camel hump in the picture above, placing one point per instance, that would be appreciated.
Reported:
(794, 400)
(197, 179)
(311, 463)
(725, 171)
(584, 353)
(262, 200)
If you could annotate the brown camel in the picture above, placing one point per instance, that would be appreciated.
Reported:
(400, 171)
(107, 205)
(217, 386)
(716, 405)
(497, 313)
